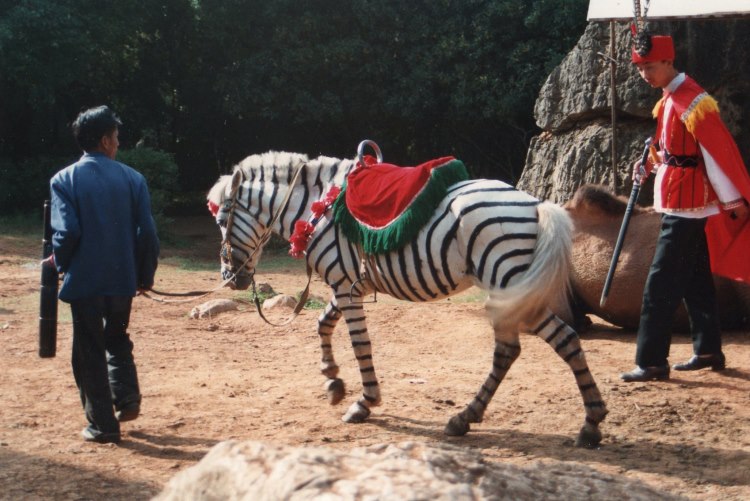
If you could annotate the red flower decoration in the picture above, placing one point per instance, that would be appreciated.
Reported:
(213, 208)
(303, 230)
(319, 207)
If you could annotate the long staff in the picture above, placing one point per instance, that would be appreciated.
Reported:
(624, 227)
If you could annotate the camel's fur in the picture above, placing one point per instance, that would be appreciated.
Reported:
(597, 216)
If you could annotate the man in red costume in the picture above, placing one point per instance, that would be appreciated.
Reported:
(702, 189)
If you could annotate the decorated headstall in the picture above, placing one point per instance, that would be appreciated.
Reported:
(224, 215)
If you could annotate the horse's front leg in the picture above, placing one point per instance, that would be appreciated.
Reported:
(327, 321)
(355, 321)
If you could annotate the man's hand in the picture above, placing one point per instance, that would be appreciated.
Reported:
(639, 172)
(49, 261)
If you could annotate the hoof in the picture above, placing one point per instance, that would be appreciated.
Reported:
(457, 426)
(357, 413)
(335, 389)
(589, 437)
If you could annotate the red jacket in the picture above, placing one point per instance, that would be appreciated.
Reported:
(685, 184)
(695, 121)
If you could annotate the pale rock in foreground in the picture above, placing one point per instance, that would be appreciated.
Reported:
(263, 471)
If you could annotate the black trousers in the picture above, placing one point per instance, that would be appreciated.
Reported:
(680, 271)
(103, 364)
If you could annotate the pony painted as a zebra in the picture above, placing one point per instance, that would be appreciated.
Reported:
(483, 233)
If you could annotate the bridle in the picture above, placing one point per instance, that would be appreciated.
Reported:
(226, 245)
(229, 207)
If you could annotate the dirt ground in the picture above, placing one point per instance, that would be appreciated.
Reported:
(234, 377)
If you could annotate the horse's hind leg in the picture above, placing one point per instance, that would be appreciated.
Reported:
(564, 340)
(507, 349)
(327, 321)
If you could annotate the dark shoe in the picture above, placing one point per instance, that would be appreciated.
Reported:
(128, 409)
(128, 413)
(93, 435)
(716, 362)
(646, 374)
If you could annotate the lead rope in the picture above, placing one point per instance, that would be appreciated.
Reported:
(297, 309)
(266, 236)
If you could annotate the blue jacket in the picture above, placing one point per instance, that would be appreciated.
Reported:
(104, 237)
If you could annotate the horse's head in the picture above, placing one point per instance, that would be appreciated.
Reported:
(242, 234)
(247, 206)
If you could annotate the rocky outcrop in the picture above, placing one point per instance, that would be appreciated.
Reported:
(561, 162)
(573, 107)
(263, 471)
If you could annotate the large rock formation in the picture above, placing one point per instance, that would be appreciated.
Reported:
(263, 471)
(573, 107)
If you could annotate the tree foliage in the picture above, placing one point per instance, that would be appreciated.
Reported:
(211, 81)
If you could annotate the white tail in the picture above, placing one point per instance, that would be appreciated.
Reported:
(546, 284)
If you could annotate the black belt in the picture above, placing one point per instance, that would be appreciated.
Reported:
(682, 160)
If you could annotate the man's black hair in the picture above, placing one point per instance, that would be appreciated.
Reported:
(91, 125)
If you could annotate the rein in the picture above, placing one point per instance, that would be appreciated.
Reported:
(190, 296)
(297, 309)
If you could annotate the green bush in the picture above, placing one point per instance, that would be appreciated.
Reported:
(160, 171)
(24, 184)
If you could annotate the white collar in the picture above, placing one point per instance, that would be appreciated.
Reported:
(676, 82)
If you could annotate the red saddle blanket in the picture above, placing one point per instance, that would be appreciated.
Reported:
(377, 193)
(383, 206)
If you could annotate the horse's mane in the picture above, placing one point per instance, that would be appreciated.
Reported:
(280, 162)
(217, 193)
(280, 165)
(251, 166)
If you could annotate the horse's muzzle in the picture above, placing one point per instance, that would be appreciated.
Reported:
(238, 281)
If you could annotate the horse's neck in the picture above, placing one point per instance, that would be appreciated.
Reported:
(316, 179)
(299, 208)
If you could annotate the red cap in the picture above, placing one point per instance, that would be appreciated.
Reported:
(662, 49)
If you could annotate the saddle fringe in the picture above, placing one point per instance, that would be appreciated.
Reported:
(546, 284)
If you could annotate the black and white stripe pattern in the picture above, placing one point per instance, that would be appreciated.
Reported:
(483, 233)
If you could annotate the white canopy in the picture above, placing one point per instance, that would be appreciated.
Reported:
(621, 10)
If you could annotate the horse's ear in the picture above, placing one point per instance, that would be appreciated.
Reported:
(234, 184)
(237, 179)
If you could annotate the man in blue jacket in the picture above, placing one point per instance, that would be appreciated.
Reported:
(104, 241)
